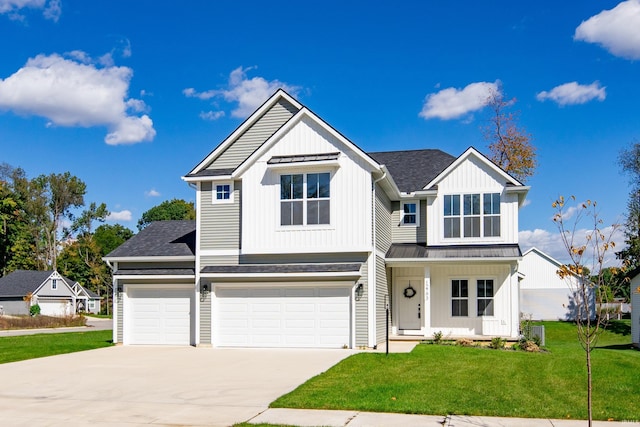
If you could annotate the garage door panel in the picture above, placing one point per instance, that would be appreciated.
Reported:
(282, 316)
(159, 316)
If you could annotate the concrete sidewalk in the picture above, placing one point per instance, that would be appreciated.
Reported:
(315, 418)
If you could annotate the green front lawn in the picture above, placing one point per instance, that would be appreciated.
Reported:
(13, 349)
(444, 379)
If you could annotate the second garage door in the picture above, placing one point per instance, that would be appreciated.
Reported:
(158, 316)
(282, 316)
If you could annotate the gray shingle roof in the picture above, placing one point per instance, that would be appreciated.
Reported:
(413, 169)
(160, 238)
(412, 250)
(283, 268)
(211, 172)
(21, 282)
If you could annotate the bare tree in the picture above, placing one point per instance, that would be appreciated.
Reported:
(586, 248)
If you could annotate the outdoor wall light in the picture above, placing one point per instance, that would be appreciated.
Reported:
(204, 291)
(359, 291)
(119, 292)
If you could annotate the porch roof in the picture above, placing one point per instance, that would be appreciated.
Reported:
(413, 251)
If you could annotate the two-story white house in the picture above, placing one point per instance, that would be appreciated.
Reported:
(302, 239)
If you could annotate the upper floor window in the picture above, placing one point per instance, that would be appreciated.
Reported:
(54, 284)
(222, 192)
(305, 199)
(410, 213)
(474, 219)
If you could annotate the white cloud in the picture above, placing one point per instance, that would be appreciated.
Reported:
(616, 30)
(551, 243)
(51, 9)
(72, 93)
(123, 215)
(247, 93)
(152, 193)
(574, 93)
(452, 103)
(211, 115)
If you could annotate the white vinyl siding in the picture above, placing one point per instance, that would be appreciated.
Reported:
(350, 206)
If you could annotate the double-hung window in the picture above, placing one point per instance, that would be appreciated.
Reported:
(452, 215)
(410, 213)
(491, 213)
(471, 215)
(305, 199)
(485, 297)
(460, 297)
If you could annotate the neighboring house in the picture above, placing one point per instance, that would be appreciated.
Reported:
(635, 308)
(543, 294)
(302, 239)
(55, 294)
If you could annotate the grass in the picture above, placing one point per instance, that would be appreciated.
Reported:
(13, 349)
(438, 379)
(99, 316)
(40, 321)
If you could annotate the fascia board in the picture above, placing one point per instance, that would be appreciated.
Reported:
(244, 126)
(395, 262)
(304, 112)
(207, 178)
(150, 258)
(472, 152)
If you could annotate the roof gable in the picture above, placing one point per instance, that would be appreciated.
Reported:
(21, 282)
(279, 96)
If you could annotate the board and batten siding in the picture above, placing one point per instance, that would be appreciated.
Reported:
(383, 220)
(350, 228)
(472, 177)
(505, 287)
(219, 222)
(408, 233)
(382, 298)
(362, 309)
(255, 136)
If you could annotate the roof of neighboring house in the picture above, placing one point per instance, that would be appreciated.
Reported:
(20, 282)
(160, 238)
(414, 251)
(413, 169)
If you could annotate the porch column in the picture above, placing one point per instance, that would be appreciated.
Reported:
(426, 304)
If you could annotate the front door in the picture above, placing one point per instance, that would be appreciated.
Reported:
(409, 305)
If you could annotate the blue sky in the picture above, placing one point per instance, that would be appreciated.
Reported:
(130, 95)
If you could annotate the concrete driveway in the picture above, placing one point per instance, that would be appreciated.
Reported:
(153, 385)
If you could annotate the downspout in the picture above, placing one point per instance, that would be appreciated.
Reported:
(373, 285)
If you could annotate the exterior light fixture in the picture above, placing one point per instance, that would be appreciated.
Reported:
(359, 291)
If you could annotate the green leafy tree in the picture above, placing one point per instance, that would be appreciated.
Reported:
(509, 144)
(108, 237)
(168, 210)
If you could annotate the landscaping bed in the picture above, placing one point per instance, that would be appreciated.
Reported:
(450, 379)
(40, 321)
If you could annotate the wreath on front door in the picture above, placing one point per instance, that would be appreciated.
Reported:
(409, 292)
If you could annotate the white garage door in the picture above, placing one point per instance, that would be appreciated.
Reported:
(158, 316)
(284, 316)
(55, 307)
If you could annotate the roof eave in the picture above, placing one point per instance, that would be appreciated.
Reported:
(149, 258)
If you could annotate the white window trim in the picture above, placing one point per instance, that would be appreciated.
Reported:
(417, 214)
(493, 298)
(54, 284)
(304, 200)
(451, 297)
(214, 192)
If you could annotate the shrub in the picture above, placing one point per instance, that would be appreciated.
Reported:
(497, 343)
(34, 310)
(530, 346)
(437, 337)
(464, 342)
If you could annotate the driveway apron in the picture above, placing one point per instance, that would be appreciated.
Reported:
(140, 385)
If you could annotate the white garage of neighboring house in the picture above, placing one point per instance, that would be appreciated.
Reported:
(543, 294)
(55, 294)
